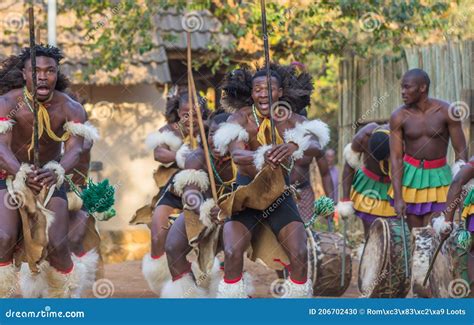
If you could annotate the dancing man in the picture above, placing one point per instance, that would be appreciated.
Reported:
(38, 191)
(365, 178)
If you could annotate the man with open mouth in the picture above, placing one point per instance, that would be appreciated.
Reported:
(33, 204)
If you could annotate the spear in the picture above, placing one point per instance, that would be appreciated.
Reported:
(267, 67)
(193, 98)
(31, 13)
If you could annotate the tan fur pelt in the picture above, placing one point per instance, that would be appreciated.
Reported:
(8, 280)
(74, 202)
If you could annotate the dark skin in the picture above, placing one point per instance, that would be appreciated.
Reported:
(360, 143)
(163, 154)
(78, 219)
(422, 129)
(177, 246)
(292, 236)
(455, 198)
(14, 151)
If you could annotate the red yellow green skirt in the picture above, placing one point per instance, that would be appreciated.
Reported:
(425, 185)
(468, 211)
(369, 194)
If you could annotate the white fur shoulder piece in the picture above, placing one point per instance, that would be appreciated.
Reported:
(166, 137)
(441, 226)
(319, 129)
(297, 135)
(6, 126)
(86, 130)
(58, 170)
(181, 155)
(228, 132)
(259, 156)
(353, 159)
(190, 177)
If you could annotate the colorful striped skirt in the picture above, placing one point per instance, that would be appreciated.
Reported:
(369, 194)
(468, 211)
(425, 185)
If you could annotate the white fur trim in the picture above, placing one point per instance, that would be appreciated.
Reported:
(6, 126)
(33, 285)
(184, 287)
(86, 130)
(8, 281)
(345, 209)
(293, 290)
(58, 170)
(456, 167)
(156, 272)
(239, 289)
(19, 183)
(297, 136)
(319, 129)
(166, 137)
(205, 212)
(90, 261)
(181, 155)
(259, 156)
(353, 159)
(190, 177)
(441, 226)
(62, 285)
(226, 133)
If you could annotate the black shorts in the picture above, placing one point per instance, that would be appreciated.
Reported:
(170, 199)
(278, 214)
(61, 193)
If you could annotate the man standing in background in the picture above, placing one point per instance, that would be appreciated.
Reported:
(334, 172)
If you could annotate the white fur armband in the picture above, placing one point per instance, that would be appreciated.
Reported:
(166, 137)
(352, 158)
(205, 213)
(6, 126)
(58, 170)
(456, 167)
(226, 133)
(300, 139)
(181, 155)
(86, 130)
(187, 177)
(18, 184)
(319, 129)
(441, 226)
(345, 208)
(259, 156)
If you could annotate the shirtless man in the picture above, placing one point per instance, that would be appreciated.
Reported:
(67, 124)
(247, 134)
(420, 131)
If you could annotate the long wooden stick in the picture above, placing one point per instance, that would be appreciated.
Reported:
(197, 107)
(190, 96)
(427, 276)
(405, 247)
(266, 49)
(31, 15)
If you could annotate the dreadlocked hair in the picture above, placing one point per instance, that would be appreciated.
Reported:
(236, 90)
(11, 76)
(181, 97)
(297, 87)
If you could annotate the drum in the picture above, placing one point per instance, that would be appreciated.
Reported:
(325, 250)
(422, 249)
(382, 265)
(449, 277)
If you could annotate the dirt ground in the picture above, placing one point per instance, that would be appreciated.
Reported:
(125, 280)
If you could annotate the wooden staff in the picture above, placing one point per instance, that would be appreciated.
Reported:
(31, 14)
(190, 96)
(193, 98)
(427, 276)
(266, 49)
